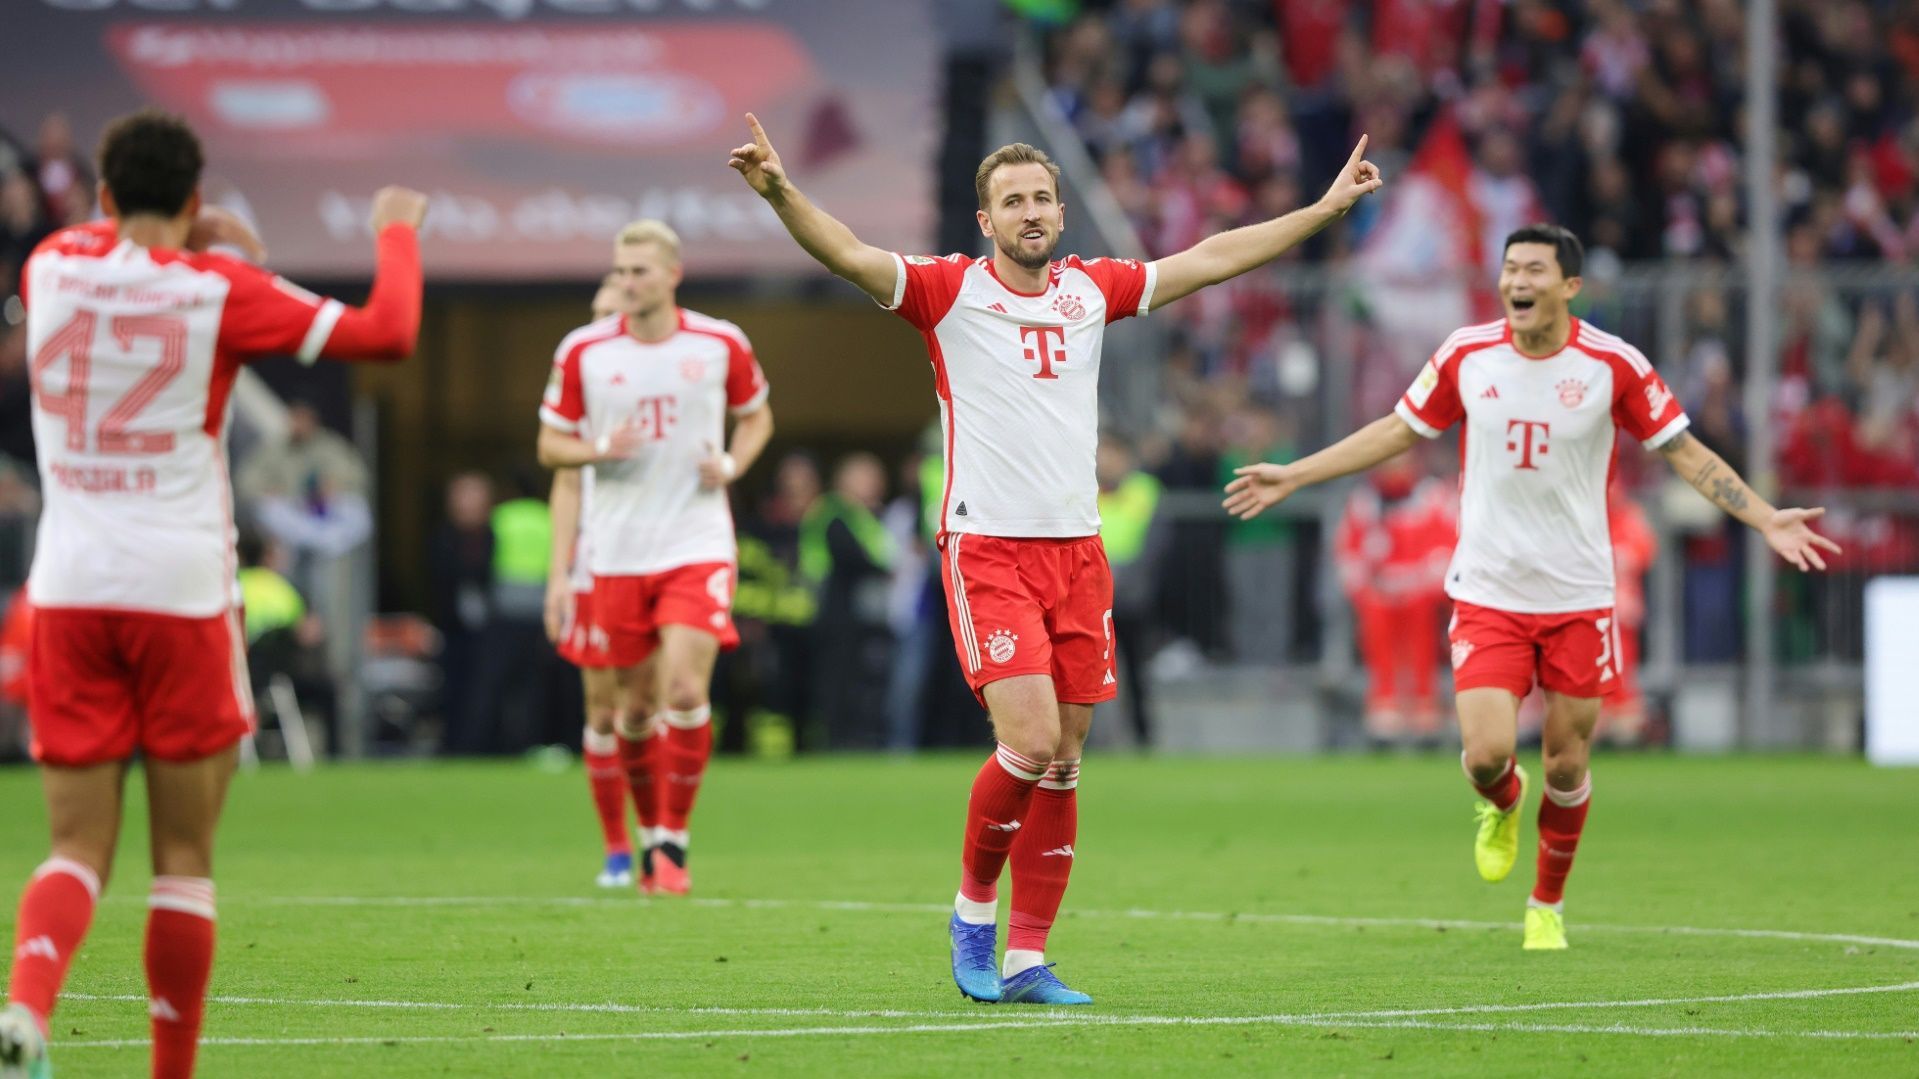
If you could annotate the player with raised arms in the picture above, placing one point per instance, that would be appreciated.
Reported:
(640, 401)
(136, 336)
(1014, 338)
(1542, 396)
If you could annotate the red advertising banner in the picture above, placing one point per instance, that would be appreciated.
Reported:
(539, 130)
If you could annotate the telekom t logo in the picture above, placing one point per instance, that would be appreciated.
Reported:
(1531, 439)
(1037, 348)
(655, 417)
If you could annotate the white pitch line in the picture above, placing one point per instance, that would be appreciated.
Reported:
(987, 1017)
(1028, 1024)
(859, 906)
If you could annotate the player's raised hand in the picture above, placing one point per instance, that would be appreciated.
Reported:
(1357, 179)
(1789, 534)
(758, 161)
(216, 227)
(398, 206)
(1258, 488)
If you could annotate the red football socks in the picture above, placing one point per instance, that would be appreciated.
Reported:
(689, 743)
(640, 757)
(1001, 793)
(1562, 816)
(606, 777)
(55, 911)
(179, 958)
(1043, 857)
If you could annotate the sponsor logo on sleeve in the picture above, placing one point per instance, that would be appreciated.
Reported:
(1424, 385)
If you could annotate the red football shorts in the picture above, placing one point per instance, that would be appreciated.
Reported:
(1575, 653)
(103, 684)
(1032, 606)
(631, 610)
(582, 640)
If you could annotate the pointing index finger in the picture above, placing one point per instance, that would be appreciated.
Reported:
(1359, 151)
(759, 133)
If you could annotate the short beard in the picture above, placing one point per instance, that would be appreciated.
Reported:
(1028, 262)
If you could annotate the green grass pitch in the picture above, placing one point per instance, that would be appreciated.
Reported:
(1235, 916)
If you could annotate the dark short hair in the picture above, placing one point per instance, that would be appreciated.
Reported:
(1571, 253)
(150, 161)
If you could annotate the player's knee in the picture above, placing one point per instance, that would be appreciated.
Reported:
(683, 694)
(1566, 770)
(1486, 764)
(183, 857)
(98, 859)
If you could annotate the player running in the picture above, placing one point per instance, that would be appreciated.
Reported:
(136, 338)
(1542, 396)
(1015, 343)
(570, 626)
(639, 402)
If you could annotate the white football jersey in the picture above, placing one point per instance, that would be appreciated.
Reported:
(1537, 454)
(648, 513)
(1017, 377)
(581, 579)
(134, 352)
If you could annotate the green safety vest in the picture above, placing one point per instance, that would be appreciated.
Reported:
(270, 602)
(767, 592)
(932, 489)
(522, 541)
(816, 558)
(1125, 516)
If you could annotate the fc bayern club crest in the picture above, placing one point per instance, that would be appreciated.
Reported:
(1070, 308)
(692, 370)
(1572, 392)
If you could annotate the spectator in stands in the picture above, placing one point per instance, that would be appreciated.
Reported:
(521, 677)
(307, 492)
(1261, 559)
(849, 554)
(1136, 536)
(772, 532)
(461, 572)
(284, 639)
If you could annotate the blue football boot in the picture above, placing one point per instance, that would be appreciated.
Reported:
(975, 966)
(1037, 985)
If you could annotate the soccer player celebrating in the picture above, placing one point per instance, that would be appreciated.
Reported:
(136, 337)
(1015, 339)
(580, 641)
(640, 401)
(1541, 395)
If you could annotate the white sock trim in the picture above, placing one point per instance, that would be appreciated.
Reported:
(1578, 796)
(668, 835)
(79, 871)
(691, 719)
(187, 895)
(1556, 908)
(594, 742)
(974, 912)
(1019, 765)
(1061, 775)
(1019, 960)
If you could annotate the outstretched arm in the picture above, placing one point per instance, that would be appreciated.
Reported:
(1262, 486)
(1229, 254)
(822, 235)
(1786, 531)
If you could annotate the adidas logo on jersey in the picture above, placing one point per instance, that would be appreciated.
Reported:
(1491, 394)
(1001, 308)
(1108, 680)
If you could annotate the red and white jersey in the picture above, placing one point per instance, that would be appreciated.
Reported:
(1537, 454)
(134, 352)
(648, 513)
(1017, 376)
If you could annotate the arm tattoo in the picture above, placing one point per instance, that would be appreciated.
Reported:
(1705, 471)
(1729, 492)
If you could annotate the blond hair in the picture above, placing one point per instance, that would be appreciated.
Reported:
(650, 231)
(1016, 153)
